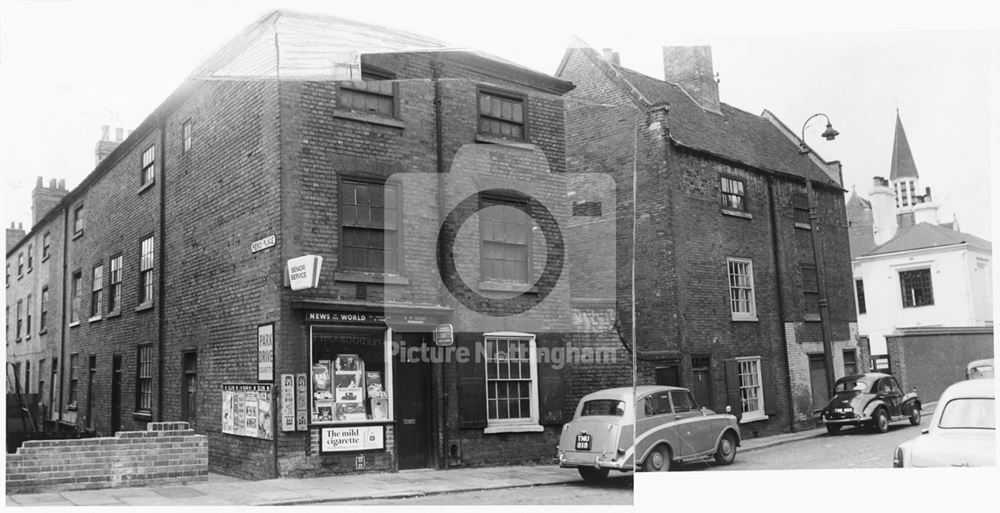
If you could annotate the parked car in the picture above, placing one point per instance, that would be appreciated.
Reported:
(962, 431)
(873, 399)
(979, 369)
(669, 427)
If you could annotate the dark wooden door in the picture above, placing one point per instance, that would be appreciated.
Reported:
(669, 375)
(817, 377)
(701, 369)
(116, 393)
(412, 388)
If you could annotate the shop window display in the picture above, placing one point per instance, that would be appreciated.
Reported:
(349, 380)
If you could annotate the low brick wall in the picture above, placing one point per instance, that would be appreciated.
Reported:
(168, 452)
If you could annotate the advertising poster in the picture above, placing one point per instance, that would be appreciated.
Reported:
(265, 352)
(302, 402)
(357, 438)
(246, 410)
(288, 402)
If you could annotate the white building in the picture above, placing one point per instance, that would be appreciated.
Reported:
(909, 269)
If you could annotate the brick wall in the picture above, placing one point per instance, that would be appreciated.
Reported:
(167, 453)
(935, 359)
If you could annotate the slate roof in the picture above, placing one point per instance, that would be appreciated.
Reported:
(736, 134)
(926, 235)
(902, 165)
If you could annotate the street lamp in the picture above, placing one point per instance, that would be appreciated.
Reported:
(824, 308)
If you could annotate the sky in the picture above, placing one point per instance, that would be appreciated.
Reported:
(68, 67)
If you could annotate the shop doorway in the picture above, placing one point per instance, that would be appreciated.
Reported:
(413, 415)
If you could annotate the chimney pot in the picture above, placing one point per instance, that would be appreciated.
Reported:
(52, 183)
(38, 183)
(20, 226)
(62, 185)
(105, 132)
(118, 134)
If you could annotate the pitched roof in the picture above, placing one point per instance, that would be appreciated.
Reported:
(902, 165)
(736, 134)
(926, 235)
(856, 201)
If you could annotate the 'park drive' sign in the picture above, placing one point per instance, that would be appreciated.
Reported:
(303, 272)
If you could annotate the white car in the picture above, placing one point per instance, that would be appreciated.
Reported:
(962, 431)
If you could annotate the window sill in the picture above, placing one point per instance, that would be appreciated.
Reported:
(737, 213)
(521, 145)
(363, 277)
(142, 415)
(44, 258)
(43, 331)
(74, 324)
(745, 319)
(77, 235)
(755, 418)
(145, 306)
(804, 226)
(501, 286)
(116, 313)
(514, 428)
(369, 118)
(27, 337)
(95, 319)
(812, 318)
(146, 187)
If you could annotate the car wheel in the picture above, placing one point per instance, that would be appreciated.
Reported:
(726, 452)
(881, 421)
(833, 428)
(658, 460)
(915, 417)
(593, 475)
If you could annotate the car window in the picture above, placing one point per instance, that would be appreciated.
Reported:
(894, 386)
(609, 407)
(657, 404)
(883, 386)
(848, 386)
(682, 401)
(968, 413)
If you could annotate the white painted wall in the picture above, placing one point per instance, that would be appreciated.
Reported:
(962, 286)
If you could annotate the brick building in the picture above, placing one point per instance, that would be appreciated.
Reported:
(726, 285)
(170, 297)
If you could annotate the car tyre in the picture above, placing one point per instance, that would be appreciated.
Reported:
(915, 417)
(881, 421)
(725, 454)
(658, 460)
(593, 475)
(833, 428)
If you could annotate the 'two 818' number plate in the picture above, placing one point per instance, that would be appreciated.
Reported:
(583, 442)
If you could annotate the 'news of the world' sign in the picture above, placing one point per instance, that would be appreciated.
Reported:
(303, 272)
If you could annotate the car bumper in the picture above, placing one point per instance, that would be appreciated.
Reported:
(572, 459)
(847, 420)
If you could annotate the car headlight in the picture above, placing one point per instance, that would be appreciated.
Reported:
(897, 458)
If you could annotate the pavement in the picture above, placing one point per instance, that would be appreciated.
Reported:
(221, 490)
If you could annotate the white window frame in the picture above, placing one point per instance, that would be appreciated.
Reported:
(741, 316)
(520, 425)
(758, 414)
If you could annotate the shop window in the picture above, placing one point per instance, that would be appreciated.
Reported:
(511, 381)
(351, 376)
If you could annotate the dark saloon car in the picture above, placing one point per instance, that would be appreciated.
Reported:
(873, 399)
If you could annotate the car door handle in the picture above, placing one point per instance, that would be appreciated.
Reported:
(678, 417)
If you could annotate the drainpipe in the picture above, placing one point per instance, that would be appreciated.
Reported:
(824, 308)
(64, 327)
(439, 382)
(161, 288)
(776, 249)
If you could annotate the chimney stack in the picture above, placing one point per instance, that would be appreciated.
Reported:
(45, 198)
(611, 56)
(14, 235)
(105, 145)
(883, 200)
(690, 67)
(119, 134)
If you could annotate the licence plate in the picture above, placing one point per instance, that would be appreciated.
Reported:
(843, 410)
(583, 442)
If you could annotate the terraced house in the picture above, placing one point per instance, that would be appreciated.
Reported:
(162, 278)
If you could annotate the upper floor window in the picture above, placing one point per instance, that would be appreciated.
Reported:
(74, 309)
(31, 252)
(148, 171)
(45, 246)
(115, 290)
(146, 271)
(20, 319)
(20, 264)
(505, 231)
(916, 288)
(800, 205)
(8, 275)
(144, 378)
(43, 321)
(369, 227)
(27, 315)
(733, 194)
(96, 291)
(73, 380)
(501, 115)
(742, 304)
(859, 286)
(186, 136)
(367, 97)
(78, 220)
(810, 290)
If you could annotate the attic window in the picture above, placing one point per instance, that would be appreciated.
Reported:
(733, 194)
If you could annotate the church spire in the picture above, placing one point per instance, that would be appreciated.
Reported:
(902, 160)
